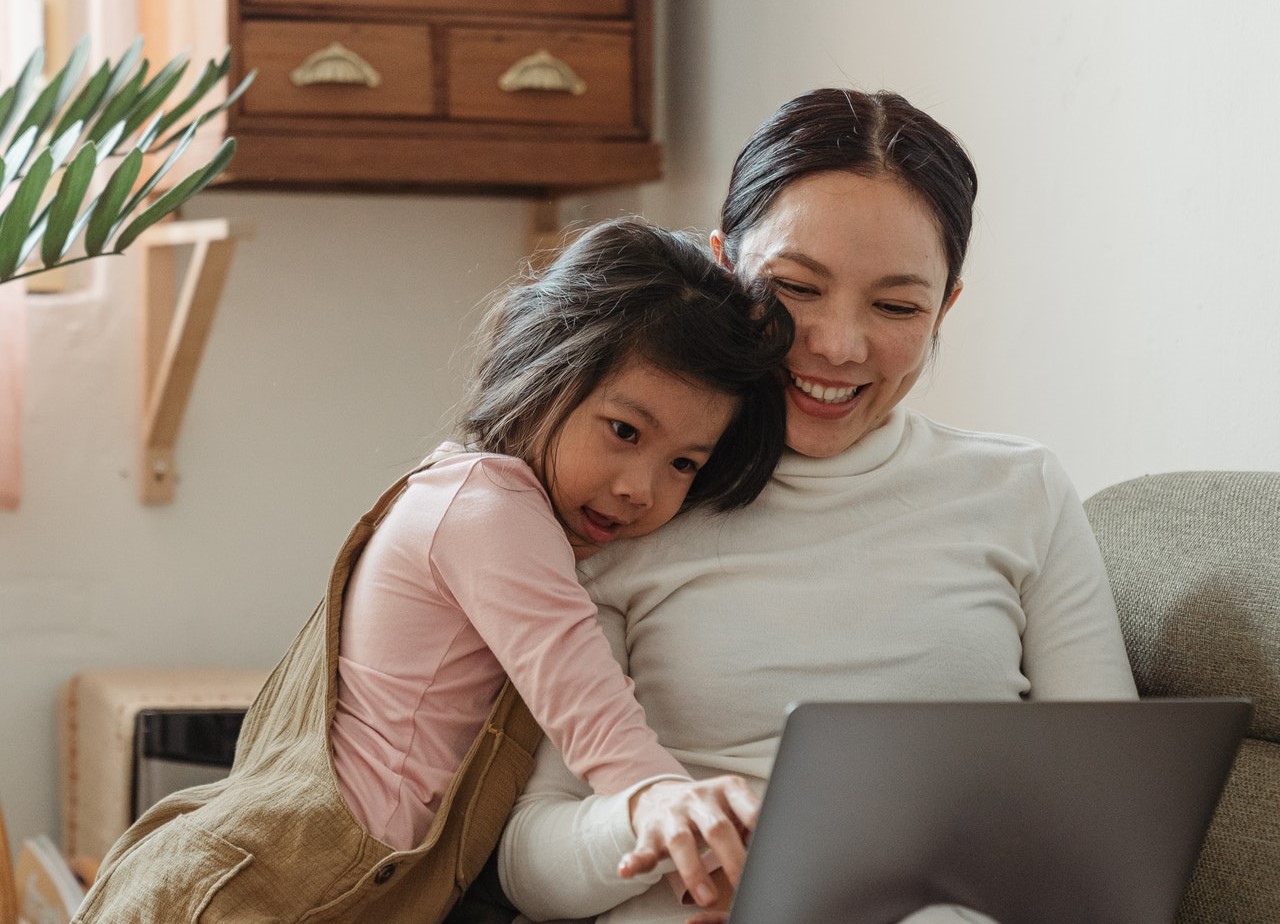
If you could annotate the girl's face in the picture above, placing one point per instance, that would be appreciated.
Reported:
(627, 455)
(860, 264)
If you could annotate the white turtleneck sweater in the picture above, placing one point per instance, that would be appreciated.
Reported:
(923, 563)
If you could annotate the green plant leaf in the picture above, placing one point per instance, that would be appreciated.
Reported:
(124, 67)
(63, 144)
(17, 155)
(105, 214)
(66, 204)
(22, 86)
(38, 116)
(155, 93)
(212, 73)
(225, 104)
(155, 178)
(88, 100)
(8, 104)
(33, 238)
(148, 134)
(15, 223)
(67, 78)
(118, 106)
(108, 142)
(176, 196)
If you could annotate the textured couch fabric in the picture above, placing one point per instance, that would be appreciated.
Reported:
(1194, 561)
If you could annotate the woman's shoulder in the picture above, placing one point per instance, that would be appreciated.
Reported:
(947, 438)
(1008, 456)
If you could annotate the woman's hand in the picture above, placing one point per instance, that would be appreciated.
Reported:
(674, 818)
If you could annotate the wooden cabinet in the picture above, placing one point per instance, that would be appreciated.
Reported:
(512, 96)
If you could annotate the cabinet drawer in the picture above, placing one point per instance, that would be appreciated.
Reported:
(518, 7)
(337, 68)
(508, 75)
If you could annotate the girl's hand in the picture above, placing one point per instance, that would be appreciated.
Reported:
(674, 818)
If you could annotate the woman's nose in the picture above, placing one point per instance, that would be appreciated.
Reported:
(839, 337)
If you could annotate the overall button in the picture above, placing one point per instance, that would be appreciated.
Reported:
(384, 874)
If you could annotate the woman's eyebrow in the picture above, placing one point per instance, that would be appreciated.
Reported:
(804, 260)
(904, 279)
(821, 269)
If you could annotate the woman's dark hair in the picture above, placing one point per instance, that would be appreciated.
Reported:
(878, 134)
(624, 291)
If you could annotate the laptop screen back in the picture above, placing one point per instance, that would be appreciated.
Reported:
(1031, 813)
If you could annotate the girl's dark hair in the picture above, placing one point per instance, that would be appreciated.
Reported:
(878, 134)
(623, 291)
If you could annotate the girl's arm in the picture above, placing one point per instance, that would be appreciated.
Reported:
(502, 555)
(561, 850)
(503, 558)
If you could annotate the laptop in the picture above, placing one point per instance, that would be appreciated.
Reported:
(1030, 813)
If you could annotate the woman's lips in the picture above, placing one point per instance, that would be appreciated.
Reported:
(823, 400)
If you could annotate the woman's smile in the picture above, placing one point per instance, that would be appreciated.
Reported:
(859, 263)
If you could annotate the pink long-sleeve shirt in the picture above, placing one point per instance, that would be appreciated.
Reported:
(468, 579)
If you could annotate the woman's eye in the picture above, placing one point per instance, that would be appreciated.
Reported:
(685, 466)
(794, 288)
(624, 431)
(898, 308)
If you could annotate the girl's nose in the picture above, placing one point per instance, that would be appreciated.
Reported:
(635, 484)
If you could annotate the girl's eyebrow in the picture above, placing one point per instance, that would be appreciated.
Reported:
(641, 411)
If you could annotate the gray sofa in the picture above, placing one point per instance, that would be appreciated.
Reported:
(1194, 561)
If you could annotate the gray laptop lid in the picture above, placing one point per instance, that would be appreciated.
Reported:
(1032, 813)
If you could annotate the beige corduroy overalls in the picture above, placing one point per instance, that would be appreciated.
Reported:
(275, 842)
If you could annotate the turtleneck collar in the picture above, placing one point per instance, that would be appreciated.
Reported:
(867, 454)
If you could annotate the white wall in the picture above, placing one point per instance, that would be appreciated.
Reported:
(1119, 306)
(1120, 299)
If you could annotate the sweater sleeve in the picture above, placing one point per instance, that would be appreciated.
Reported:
(1072, 644)
(503, 557)
(559, 853)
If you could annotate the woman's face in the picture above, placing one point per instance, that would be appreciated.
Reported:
(860, 264)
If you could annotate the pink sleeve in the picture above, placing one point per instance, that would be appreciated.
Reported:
(505, 559)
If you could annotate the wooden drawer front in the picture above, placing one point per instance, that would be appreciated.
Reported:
(518, 7)
(600, 61)
(399, 55)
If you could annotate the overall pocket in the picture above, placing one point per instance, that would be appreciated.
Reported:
(169, 876)
(497, 786)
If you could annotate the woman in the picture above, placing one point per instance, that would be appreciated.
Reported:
(890, 557)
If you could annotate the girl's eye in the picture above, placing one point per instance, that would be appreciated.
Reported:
(685, 466)
(624, 431)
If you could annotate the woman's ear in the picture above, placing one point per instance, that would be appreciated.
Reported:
(718, 251)
(946, 305)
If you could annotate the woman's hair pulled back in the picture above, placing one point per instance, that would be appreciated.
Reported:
(871, 134)
(624, 291)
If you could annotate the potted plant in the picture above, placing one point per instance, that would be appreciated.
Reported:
(60, 145)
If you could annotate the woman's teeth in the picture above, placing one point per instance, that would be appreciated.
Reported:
(827, 394)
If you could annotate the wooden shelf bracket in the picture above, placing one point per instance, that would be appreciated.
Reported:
(175, 325)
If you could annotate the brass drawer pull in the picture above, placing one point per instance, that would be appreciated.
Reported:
(542, 71)
(335, 64)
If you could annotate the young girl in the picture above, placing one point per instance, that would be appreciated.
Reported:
(630, 381)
